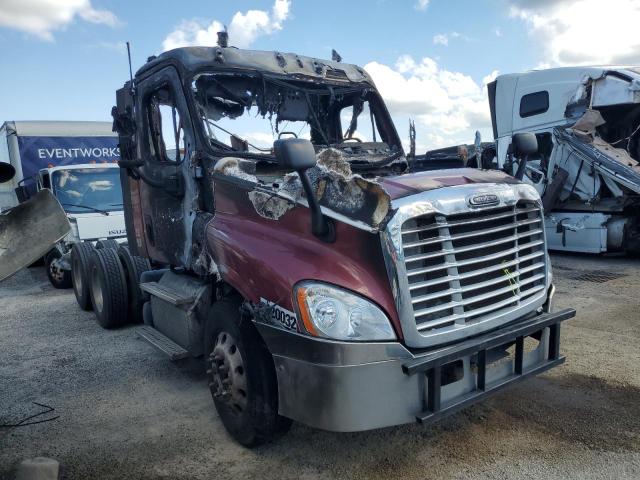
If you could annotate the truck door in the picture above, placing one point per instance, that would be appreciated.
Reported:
(44, 180)
(166, 140)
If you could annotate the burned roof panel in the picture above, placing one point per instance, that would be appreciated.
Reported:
(225, 58)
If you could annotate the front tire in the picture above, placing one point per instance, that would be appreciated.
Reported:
(58, 277)
(242, 377)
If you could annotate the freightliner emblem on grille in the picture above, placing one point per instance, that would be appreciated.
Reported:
(484, 200)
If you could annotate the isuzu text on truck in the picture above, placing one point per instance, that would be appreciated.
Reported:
(76, 162)
(322, 280)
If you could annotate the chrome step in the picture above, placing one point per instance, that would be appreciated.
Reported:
(162, 342)
(168, 295)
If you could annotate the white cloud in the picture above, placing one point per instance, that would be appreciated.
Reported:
(489, 78)
(42, 17)
(259, 139)
(421, 4)
(243, 29)
(120, 47)
(441, 39)
(581, 32)
(448, 106)
(498, 32)
(444, 38)
(191, 32)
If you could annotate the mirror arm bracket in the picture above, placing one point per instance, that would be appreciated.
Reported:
(321, 226)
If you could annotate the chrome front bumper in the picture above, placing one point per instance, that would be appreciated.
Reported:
(346, 387)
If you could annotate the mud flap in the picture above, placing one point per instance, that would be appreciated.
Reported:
(30, 230)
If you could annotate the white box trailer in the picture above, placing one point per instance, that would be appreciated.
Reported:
(77, 162)
(30, 146)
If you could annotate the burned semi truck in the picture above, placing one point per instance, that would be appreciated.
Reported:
(319, 278)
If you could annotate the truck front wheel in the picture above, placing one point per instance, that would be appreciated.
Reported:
(59, 277)
(242, 377)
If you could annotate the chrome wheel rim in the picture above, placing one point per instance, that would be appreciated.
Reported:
(228, 382)
(56, 272)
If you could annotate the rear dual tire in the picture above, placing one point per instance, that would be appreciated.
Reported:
(108, 286)
(134, 267)
(112, 244)
(80, 257)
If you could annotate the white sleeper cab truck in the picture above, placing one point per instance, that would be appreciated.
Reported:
(77, 163)
(587, 123)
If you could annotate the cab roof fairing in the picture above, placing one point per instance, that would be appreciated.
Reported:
(567, 86)
(191, 60)
(605, 94)
(578, 73)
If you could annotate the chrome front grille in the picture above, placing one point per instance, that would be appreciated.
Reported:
(464, 267)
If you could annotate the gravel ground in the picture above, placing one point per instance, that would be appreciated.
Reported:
(127, 412)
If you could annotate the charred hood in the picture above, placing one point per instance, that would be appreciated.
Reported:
(409, 184)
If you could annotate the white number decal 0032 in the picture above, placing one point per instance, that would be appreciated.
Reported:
(281, 316)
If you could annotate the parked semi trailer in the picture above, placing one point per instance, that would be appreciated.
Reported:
(75, 161)
(319, 281)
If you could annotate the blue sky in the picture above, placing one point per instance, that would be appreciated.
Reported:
(63, 59)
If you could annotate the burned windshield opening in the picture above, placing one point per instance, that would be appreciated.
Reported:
(246, 113)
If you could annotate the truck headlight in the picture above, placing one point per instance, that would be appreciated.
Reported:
(335, 313)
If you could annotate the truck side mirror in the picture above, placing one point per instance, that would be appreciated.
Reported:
(21, 193)
(7, 172)
(524, 144)
(298, 154)
(295, 153)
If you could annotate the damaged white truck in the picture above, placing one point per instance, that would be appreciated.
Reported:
(321, 278)
(587, 123)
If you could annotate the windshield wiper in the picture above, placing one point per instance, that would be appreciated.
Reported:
(212, 123)
(103, 212)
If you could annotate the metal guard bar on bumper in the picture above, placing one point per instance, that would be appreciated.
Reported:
(431, 364)
(354, 386)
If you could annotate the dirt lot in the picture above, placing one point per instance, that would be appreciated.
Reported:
(127, 412)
